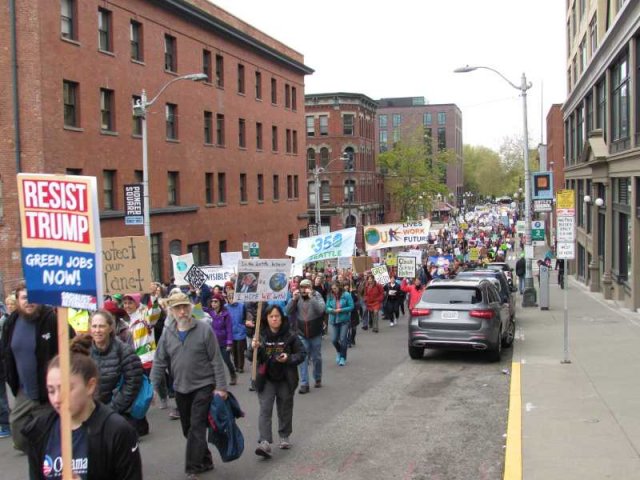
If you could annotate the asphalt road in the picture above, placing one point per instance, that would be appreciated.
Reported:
(383, 416)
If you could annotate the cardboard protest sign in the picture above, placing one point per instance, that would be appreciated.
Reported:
(60, 228)
(381, 274)
(217, 275)
(329, 245)
(231, 259)
(181, 265)
(262, 280)
(195, 276)
(126, 265)
(406, 267)
(344, 262)
(396, 234)
(361, 264)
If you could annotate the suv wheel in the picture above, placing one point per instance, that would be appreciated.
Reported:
(416, 353)
(496, 352)
(510, 335)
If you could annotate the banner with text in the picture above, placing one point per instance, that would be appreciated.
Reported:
(262, 280)
(60, 228)
(396, 234)
(217, 275)
(329, 245)
(125, 265)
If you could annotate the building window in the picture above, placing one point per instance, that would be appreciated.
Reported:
(324, 125)
(311, 159)
(588, 124)
(200, 252)
(260, 187)
(259, 136)
(348, 127)
(274, 91)
(383, 140)
(289, 187)
(136, 121)
(219, 71)
(296, 191)
(208, 128)
(104, 30)
(241, 79)
(242, 133)
(106, 110)
(68, 19)
(171, 118)
(109, 189)
(208, 188)
(222, 188)
(135, 32)
(442, 118)
(222, 248)
(295, 141)
(156, 256)
(170, 54)
(287, 137)
(70, 99)
(382, 120)
(593, 34)
(220, 130)
(274, 138)
(579, 131)
(620, 101)
(427, 119)
(350, 191)
(442, 138)
(287, 96)
(172, 188)
(70, 171)
(622, 228)
(276, 187)
(311, 129)
(324, 157)
(138, 176)
(294, 99)
(325, 191)
(243, 188)
(397, 120)
(258, 86)
(396, 136)
(206, 64)
(601, 107)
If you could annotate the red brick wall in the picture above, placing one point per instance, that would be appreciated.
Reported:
(45, 60)
(555, 145)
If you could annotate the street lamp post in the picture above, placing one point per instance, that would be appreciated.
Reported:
(529, 295)
(140, 110)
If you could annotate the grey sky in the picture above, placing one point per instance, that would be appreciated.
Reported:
(411, 47)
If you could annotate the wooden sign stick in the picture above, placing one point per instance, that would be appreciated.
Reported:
(254, 366)
(65, 387)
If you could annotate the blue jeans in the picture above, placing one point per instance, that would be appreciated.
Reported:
(313, 348)
(521, 285)
(339, 338)
(4, 405)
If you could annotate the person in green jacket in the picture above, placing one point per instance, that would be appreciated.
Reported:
(339, 307)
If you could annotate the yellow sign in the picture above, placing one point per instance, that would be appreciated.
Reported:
(565, 199)
(464, 226)
(474, 254)
(391, 259)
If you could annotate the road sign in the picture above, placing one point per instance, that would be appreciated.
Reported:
(566, 250)
(133, 204)
(565, 199)
(537, 230)
(565, 231)
(520, 226)
(542, 205)
(254, 249)
(245, 246)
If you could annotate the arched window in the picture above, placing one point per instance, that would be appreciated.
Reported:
(324, 157)
(350, 154)
(325, 191)
(311, 159)
(350, 191)
(350, 221)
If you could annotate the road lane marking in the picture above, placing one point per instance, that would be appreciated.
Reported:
(513, 454)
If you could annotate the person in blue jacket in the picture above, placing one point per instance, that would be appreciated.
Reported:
(339, 307)
(238, 315)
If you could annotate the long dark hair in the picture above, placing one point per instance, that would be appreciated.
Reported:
(265, 313)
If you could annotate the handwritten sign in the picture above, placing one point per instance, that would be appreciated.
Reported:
(181, 265)
(406, 267)
(60, 237)
(381, 274)
(262, 280)
(125, 265)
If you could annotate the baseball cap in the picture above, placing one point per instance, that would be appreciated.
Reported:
(178, 298)
(306, 283)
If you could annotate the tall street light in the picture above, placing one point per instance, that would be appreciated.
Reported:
(140, 111)
(529, 295)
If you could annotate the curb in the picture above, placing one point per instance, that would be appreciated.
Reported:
(513, 453)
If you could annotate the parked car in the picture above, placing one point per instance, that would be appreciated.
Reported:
(461, 314)
(506, 269)
(506, 293)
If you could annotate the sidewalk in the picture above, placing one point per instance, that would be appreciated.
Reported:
(579, 420)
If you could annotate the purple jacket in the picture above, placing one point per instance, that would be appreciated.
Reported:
(222, 326)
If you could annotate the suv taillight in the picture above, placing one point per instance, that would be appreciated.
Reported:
(487, 314)
(420, 312)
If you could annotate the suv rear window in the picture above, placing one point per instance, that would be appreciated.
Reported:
(452, 295)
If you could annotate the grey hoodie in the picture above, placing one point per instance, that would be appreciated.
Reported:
(194, 364)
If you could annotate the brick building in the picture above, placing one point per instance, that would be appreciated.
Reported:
(439, 124)
(340, 134)
(226, 155)
(555, 145)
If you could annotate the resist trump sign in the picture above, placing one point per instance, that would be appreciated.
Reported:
(60, 238)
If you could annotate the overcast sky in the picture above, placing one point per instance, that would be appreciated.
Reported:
(409, 48)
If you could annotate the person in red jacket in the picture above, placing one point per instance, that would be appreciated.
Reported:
(373, 297)
(414, 291)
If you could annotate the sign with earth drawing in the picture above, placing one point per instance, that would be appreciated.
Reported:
(262, 280)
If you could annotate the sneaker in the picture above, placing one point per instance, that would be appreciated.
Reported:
(303, 389)
(343, 361)
(365, 328)
(174, 414)
(5, 431)
(263, 449)
(392, 324)
(318, 384)
(284, 443)
(234, 380)
(252, 387)
(163, 404)
(338, 357)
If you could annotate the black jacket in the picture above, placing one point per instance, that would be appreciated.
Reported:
(521, 267)
(118, 360)
(113, 445)
(46, 349)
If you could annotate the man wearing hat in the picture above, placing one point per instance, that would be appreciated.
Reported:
(309, 307)
(190, 350)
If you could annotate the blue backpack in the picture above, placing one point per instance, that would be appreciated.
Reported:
(224, 433)
(142, 402)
